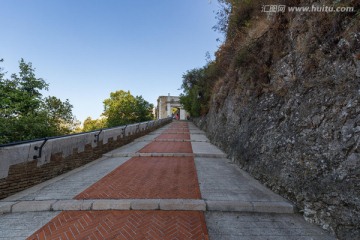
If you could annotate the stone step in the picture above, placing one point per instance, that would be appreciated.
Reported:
(131, 154)
(145, 204)
(171, 140)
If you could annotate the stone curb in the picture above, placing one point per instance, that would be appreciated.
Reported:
(210, 155)
(146, 204)
(149, 155)
(183, 204)
(172, 140)
(5, 207)
(103, 204)
(174, 132)
(32, 206)
(204, 155)
(71, 205)
(250, 206)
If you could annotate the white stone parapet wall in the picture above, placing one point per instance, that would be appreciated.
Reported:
(67, 145)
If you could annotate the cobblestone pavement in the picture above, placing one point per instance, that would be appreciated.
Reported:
(169, 184)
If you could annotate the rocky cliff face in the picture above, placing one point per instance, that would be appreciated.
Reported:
(297, 131)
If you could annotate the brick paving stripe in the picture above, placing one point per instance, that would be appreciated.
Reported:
(177, 127)
(148, 177)
(178, 136)
(177, 130)
(124, 225)
(167, 147)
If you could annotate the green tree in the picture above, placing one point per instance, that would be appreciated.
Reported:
(197, 88)
(143, 109)
(59, 115)
(94, 124)
(123, 108)
(24, 113)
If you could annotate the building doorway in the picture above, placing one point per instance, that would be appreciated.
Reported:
(176, 113)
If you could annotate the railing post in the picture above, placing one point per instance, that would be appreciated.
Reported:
(97, 136)
(123, 131)
(40, 149)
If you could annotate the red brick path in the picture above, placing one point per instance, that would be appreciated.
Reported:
(178, 136)
(139, 177)
(124, 225)
(177, 130)
(148, 177)
(167, 147)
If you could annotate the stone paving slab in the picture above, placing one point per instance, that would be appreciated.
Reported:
(206, 148)
(130, 148)
(198, 138)
(18, 226)
(260, 226)
(72, 183)
(195, 130)
(220, 180)
(147, 138)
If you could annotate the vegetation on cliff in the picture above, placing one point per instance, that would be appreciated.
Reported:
(243, 24)
(283, 102)
(200, 84)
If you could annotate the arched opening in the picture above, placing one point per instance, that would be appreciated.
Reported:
(176, 113)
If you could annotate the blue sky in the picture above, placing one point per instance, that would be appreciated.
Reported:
(86, 49)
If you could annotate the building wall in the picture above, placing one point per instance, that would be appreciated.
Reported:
(165, 104)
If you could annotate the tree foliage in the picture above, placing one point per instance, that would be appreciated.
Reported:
(198, 84)
(25, 114)
(94, 124)
(197, 87)
(123, 108)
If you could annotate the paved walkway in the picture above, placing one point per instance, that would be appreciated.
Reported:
(170, 184)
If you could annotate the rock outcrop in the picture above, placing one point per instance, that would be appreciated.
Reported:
(297, 131)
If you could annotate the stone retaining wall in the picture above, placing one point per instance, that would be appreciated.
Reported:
(288, 112)
(21, 168)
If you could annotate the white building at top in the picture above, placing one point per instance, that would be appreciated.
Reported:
(169, 106)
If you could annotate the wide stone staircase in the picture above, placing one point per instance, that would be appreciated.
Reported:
(169, 184)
